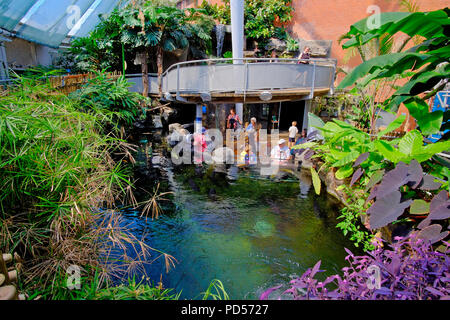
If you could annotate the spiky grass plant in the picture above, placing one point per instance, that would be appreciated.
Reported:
(57, 165)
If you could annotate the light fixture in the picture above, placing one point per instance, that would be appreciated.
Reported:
(206, 96)
(168, 96)
(265, 96)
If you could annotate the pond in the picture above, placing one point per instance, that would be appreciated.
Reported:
(249, 232)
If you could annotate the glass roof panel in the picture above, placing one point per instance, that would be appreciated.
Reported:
(104, 7)
(12, 11)
(49, 22)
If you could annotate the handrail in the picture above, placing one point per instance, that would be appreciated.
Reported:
(252, 60)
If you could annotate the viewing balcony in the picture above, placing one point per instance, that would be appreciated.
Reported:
(248, 80)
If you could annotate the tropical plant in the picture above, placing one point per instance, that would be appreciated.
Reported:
(101, 50)
(133, 290)
(57, 165)
(361, 160)
(426, 63)
(291, 44)
(263, 19)
(221, 13)
(260, 17)
(409, 270)
(139, 29)
(110, 97)
(409, 181)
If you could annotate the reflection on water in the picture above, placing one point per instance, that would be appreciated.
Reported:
(254, 233)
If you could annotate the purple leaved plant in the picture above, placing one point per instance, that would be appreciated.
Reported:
(390, 205)
(409, 270)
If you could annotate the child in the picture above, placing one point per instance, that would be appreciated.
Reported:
(247, 157)
(292, 134)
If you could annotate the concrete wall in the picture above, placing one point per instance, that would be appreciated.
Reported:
(22, 54)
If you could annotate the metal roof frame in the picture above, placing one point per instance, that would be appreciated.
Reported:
(53, 22)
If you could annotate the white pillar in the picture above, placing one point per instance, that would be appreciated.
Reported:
(237, 37)
(198, 119)
(307, 108)
(237, 28)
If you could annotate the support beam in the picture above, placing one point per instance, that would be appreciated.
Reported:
(237, 29)
(237, 37)
(305, 115)
(198, 119)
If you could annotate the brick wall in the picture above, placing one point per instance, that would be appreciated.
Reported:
(329, 19)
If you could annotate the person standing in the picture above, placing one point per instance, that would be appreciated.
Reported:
(251, 130)
(305, 55)
(233, 120)
(292, 133)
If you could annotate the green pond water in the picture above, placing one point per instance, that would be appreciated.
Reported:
(250, 233)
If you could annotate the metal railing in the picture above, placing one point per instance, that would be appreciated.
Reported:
(247, 75)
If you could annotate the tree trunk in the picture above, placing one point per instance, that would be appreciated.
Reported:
(144, 70)
(159, 63)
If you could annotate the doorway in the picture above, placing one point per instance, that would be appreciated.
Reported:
(291, 111)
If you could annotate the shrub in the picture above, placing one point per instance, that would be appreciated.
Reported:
(111, 98)
(55, 166)
(409, 270)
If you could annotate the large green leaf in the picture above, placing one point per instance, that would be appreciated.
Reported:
(411, 143)
(426, 24)
(429, 122)
(315, 121)
(424, 80)
(344, 172)
(346, 158)
(388, 151)
(316, 180)
(393, 125)
(419, 206)
(397, 63)
(417, 108)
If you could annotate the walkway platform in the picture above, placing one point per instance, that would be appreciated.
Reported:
(247, 80)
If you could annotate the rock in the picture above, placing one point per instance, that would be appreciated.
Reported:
(168, 112)
(276, 44)
(12, 275)
(8, 293)
(212, 194)
(157, 122)
(177, 133)
(319, 48)
(188, 125)
(175, 127)
(332, 184)
(220, 168)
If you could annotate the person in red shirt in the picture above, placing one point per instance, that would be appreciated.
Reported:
(199, 146)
